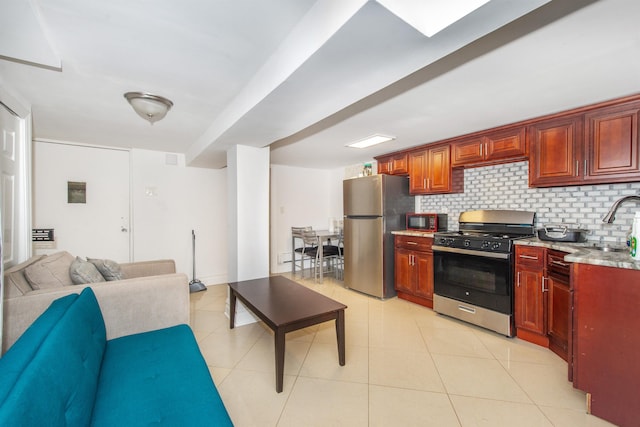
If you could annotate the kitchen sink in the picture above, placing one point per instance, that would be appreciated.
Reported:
(605, 248)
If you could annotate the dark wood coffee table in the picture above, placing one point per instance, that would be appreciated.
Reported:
(286, 306)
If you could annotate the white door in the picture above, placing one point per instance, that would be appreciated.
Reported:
(9, 177)
(94, 222)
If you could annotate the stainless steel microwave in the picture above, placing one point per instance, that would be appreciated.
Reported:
(427, 222)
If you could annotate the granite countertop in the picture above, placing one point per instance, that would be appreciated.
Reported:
(412, 233)
(584, 253)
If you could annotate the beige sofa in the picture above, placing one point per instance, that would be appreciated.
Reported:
(152, 296)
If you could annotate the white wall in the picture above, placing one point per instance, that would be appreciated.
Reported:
(248, 212)
(301, 197)
(103, 220)
(171, 200)
(167, 202)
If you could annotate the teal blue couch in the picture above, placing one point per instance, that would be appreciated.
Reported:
(63, 372)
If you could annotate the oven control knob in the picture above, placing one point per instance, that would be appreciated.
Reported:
(467, 243)
(485, 244)
(495, 246)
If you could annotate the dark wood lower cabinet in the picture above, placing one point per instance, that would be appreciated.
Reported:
(414, 269)
(543, 298)
(530, 295)
(606, 342)
(558, 313)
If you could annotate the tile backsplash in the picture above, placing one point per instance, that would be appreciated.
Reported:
(506, 187)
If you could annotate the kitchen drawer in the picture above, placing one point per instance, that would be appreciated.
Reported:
(414, 243)
(530, 256)
(556, 263)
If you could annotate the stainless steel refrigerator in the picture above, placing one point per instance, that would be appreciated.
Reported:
(373, 207)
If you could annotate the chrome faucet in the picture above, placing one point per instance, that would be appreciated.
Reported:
(611, 215)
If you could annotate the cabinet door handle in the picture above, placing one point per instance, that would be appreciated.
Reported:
(481, 147)
(585, 167)
(518, 279)
(542, 285)
(562, 264)
(412, 243)
(577, 168)
(528, 257)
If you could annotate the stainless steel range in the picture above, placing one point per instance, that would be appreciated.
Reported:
(474, 267)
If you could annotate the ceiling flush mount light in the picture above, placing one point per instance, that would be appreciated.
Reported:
(149, 107)
(371, 140)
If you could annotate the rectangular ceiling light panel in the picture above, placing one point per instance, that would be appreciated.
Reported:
(371, 140)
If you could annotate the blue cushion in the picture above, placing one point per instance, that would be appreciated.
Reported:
(58, 383)
(157, 378)
(23, 350)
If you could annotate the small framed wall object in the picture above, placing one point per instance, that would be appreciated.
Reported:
(76, 192)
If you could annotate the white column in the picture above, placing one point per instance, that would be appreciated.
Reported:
(248, 218)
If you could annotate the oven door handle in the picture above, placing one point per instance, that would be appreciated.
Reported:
(436, 248)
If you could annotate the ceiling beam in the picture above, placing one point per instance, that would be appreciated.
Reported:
(322, 21)
(23, 37)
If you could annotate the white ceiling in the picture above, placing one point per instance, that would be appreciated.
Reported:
(307, 77)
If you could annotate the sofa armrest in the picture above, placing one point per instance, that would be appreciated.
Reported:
(128, 306)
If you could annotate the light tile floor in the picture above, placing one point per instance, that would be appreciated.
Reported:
(405, 366)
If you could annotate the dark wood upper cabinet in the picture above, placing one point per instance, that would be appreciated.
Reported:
(595, 144)
(467, 152)
(418, 172)
(612, 143)
(505, 145)
(599, 146)
(439, 165)
(396, 164)
(430, 171)
(384, 165)
(555, 150)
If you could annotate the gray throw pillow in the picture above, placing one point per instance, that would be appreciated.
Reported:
(82, 272)
(110, 270)
(50, 272)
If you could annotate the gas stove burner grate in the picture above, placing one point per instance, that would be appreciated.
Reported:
(488, 231)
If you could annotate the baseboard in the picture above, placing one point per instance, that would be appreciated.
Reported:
(216, 279)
